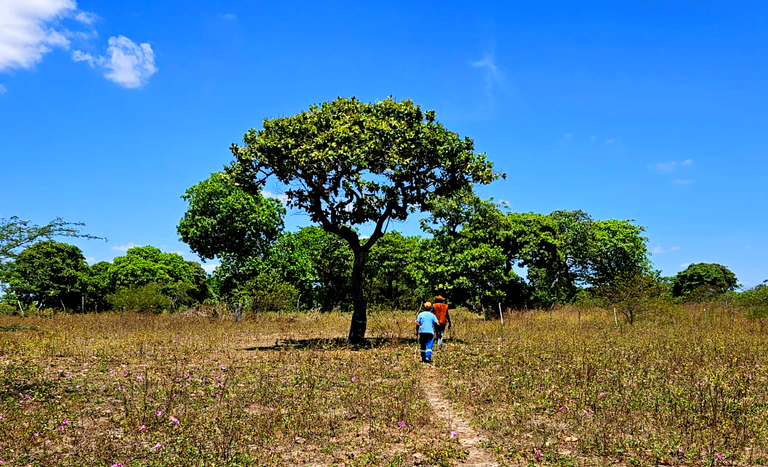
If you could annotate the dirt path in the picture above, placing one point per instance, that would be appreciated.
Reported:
(468, 437)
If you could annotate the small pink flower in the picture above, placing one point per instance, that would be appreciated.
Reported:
(117, 465)
(401, 424)
(158, 446)
(221, 367)
(354, 379)
(77, 387)
(718, 457)
(159, 413)
(454, 434)
(282, 380)
(139, 378)
(586, 412)
(602, 394)
(65, 421)
(538, 454)
(174, 420)
(271, 409)
(142, 427)
(560, 409)
(680, 451)
(36, 435)
(1, 418)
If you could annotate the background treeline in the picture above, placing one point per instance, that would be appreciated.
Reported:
(474, 251)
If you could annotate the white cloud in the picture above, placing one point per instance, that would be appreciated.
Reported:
(90, 259)
(268, 194)
(228, 16)
(592, 138)
(611, 141)
(684, 265)
(125, 247)
(129, 65)
(29, 29)
(567, 136)
(80, 56)
(749, 247)
(86, 17)
(682, 181)
(3, 90)
(672, 165)
(659, 250)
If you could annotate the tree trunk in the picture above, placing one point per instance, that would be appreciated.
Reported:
(359, 316)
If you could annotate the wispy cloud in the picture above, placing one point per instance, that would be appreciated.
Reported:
(3, 90)
(228, 16)
(682, 181)
(672, 165)
(493, 76)
(659, 250)
(749, 247)
(567, 136)
(611, 140)
(125, 247)
(684, 265)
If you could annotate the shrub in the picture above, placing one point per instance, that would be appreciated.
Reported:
(145, 298)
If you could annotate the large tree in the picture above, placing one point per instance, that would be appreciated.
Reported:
(348, 163)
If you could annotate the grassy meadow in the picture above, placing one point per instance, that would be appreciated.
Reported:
(563, 387)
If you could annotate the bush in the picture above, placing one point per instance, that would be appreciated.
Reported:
(267, 292)
(145, 298)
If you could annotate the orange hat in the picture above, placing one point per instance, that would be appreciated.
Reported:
(439, 297)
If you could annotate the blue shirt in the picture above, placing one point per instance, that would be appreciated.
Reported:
(427, 322)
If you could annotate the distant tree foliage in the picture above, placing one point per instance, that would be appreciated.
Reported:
(703, 279)
(48, 274)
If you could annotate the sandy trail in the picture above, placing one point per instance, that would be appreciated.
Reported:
(468, 438)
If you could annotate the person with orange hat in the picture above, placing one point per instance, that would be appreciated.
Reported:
(440, 309)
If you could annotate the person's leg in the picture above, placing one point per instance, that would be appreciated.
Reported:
(439, 335)
(428, 352)
(423, 339)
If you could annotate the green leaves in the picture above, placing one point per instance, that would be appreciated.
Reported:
(703, 279)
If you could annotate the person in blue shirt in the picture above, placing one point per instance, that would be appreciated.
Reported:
(427, 322)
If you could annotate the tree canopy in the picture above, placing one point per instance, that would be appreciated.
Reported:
(347, 163)
(704, 278)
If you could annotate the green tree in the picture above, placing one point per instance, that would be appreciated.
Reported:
(465, 259)
(16, 233)
(223, 220)
(348, 163)
(47, 273)
(95, 286)
(391, 263)
(705, 279)
(317, 264)
(182, 282)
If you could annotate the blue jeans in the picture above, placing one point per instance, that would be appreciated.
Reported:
(426, 341)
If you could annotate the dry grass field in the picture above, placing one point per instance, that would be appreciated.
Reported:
(567, 387)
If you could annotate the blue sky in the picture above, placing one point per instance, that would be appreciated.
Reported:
(652, 111)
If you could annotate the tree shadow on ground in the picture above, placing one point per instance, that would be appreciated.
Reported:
(340, 343)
